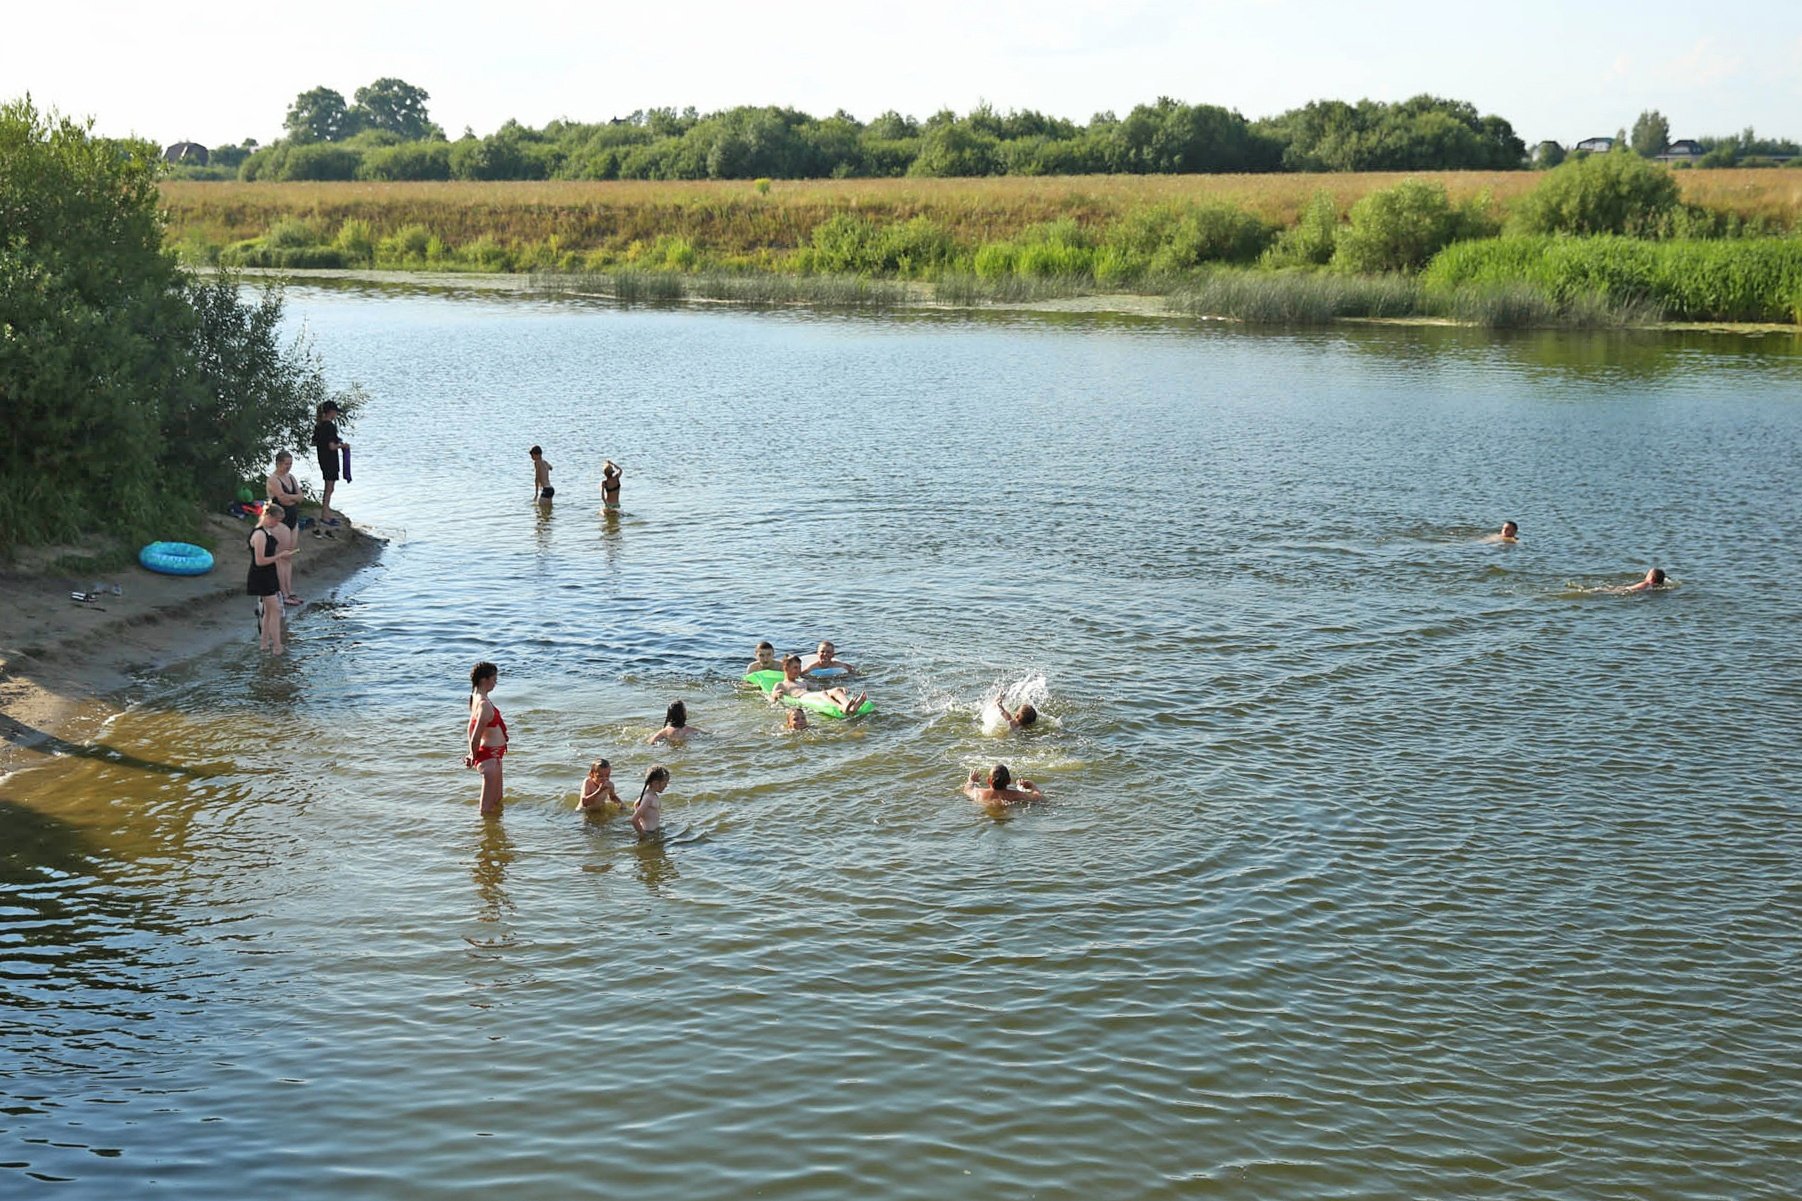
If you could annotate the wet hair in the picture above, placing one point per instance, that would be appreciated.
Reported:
(797, 719)
(480, 672)
(1000, 777)
(764, 646)
(599, 765)
(651, 777)
(1509, 525)
(1657, 575)
(536, 450)
(1027, 715)
(795, 659)
(282, 456)
(676, 715)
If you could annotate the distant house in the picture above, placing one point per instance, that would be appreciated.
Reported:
(1683, 150)
(1595, 145)
(190, 154)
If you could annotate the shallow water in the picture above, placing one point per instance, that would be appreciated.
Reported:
(1380, 860)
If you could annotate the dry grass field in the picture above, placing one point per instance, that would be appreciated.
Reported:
(738, 217)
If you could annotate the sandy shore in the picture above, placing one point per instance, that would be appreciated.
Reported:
(64, 663)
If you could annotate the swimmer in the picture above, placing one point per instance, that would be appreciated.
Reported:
(1654, 579)
(765, 661)
(797, 720)
(676, 729)
(610, 478)
(1509, 533)
(597, 789)
(487, 736)
(1000, 790)
(541, 475)
(822, 662)
(647, 812)
(1020, 718)
(791, 685)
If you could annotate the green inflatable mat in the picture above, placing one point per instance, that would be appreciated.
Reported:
(813, 701)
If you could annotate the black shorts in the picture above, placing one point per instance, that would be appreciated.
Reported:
(546, 492)
(328, 465)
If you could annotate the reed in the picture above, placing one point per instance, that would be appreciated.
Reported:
(752, 290)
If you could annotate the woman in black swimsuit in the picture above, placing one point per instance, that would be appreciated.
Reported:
(262, 581)
(610, 476)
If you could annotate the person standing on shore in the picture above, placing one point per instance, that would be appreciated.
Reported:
(263, 580)
(487, 735)
(284, 489)
(329, 446)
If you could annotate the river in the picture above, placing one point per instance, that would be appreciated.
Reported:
(1379, 860)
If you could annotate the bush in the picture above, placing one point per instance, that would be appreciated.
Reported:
(356, 240)
(1310, 242)
(1599, 194)
(408, 245)
(131, 392)
(407, 161)
(1401, 228)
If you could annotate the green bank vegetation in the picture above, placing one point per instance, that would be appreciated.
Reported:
(1602, 239)
(133, 393)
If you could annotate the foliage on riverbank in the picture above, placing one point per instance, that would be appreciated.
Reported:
(131, 391)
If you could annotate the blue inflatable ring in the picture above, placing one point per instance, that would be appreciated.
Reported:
(176, 558)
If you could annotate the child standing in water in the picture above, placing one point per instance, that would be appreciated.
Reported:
(647, 813)
(610, 477)
(541, 475)
(597, 789)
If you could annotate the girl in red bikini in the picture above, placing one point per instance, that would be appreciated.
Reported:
(487, 735)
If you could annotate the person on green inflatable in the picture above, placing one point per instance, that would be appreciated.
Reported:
(791, 685)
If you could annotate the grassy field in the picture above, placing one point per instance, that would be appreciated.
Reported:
(741, 219)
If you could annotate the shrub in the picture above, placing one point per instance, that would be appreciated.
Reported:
(1311, 240)
(1599, 194)
(1401, 228)
(407, 245)
(289, 234)
(407, 161)
(356, 240)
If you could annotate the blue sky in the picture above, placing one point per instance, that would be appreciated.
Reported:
(217, 72)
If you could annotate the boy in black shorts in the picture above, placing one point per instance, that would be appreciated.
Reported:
(328, 444)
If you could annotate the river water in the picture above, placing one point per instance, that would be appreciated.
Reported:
(1379, 860)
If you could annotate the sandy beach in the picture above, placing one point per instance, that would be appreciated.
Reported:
(65, 664)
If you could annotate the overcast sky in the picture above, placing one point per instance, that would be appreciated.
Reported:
(217, 72)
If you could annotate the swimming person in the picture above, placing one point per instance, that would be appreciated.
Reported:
(264, 578)
(1020, 718)
(597, 787)
(1509, 533)
(676, 729)
(283, 488)
(541, 475)
(791, 685)
(1000, 790)
(647, 812)
(1654, 579)
(797, 720)
(823, 663)
(327, 443)
(610, 477)
(487, 735)
(765, 660)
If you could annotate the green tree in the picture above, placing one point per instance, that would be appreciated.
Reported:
(1651, 134)
(318, 115)
(131, 393)
(396, 106)
(1401, 228)
(1547, 155)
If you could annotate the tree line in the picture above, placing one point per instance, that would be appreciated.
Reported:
(386, 133)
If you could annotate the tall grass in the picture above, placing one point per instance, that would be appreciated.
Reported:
(1753, 279)
(1296, 297)
(666, 287)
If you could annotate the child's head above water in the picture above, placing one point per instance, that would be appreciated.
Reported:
(600, 770)
(797, 719)
(1027, 715)
(676, 716)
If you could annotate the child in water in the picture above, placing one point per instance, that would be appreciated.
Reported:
(676, 729)
(765, 659)
(597, 789)
(1000, 790)
(797, 720)
(647, 813)
(541, 475)
(610, 477)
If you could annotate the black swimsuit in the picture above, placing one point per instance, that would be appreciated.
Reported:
(262, 579)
